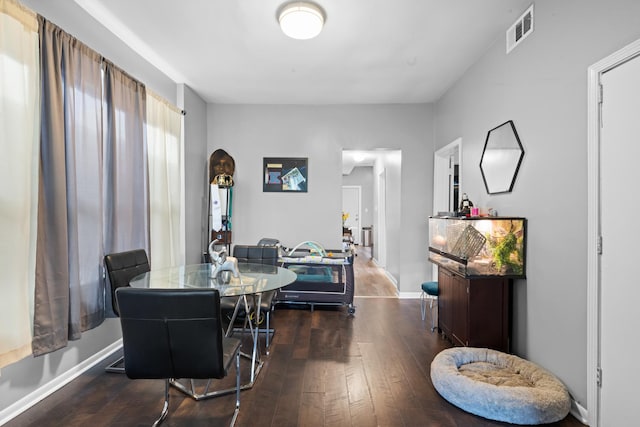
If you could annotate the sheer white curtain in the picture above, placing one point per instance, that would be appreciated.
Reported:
(164, 145)
(19, 141)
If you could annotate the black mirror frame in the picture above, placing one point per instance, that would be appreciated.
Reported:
(515, 172)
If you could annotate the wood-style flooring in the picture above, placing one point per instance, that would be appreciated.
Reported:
(325, 368)
(371, 281)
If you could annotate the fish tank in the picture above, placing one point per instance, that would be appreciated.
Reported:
(479, 246)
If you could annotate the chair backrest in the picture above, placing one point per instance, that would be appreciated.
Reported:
(256, 254)
(268, 241)
(171, 333)
(122, 267)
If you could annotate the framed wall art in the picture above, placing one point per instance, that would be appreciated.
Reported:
(285, 174)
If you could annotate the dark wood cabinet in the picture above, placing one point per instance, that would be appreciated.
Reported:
(474, 312)
(445, 302)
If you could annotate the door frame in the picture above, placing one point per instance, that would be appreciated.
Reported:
(441, 180)
(440, 159)
(595, 72)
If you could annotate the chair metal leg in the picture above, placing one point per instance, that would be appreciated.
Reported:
(237, 410)
(433, 318)
(268, 332)
(114, 368)
(423, 308)
(165, 409)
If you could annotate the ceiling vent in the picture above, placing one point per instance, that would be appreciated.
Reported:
(520, 29)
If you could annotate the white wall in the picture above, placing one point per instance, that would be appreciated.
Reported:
(320, 133)
(542, 87)
(391, 166)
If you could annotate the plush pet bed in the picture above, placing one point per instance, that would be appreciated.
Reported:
(499, 386)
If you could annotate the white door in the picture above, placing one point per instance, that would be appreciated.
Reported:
(351, 206)
(620, 231)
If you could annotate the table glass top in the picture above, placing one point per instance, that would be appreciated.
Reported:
(254, 278)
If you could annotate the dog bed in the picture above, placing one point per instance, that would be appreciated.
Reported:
(499, 386)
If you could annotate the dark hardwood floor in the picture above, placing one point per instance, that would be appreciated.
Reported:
(325, 368)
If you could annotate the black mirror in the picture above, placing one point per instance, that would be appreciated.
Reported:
(501, 158)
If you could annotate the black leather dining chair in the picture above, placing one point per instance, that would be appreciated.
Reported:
(121, 268)
(255, 254)
(171, 334)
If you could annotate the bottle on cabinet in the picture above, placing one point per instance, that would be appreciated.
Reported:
(465, 205)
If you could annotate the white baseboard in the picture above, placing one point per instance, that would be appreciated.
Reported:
(390, 277)
(580, 412)
(409, 295)
(55, 384)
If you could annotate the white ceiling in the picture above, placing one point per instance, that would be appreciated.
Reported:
(353, 158)
(370, 51)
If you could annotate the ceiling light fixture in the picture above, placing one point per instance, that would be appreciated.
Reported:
(301, 20)
(359, 157)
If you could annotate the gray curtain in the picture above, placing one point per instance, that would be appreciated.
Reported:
(69, 293)
(126, 173)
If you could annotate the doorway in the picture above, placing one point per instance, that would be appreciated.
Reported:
(446, 182)
(446, 177)
(612, 318)
(352, 210)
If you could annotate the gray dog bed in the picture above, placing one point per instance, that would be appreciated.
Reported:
(499, 386)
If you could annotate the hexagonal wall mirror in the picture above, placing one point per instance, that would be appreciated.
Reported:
(501, 158)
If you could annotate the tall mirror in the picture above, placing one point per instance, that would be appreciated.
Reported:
(501, 158)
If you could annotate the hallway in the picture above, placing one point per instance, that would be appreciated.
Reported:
(371, 280)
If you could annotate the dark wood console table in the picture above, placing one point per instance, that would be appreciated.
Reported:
(474, 312)
(478, 258)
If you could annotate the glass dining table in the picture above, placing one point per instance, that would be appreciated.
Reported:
(252, 281)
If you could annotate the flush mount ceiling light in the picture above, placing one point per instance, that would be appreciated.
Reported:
(301, 20)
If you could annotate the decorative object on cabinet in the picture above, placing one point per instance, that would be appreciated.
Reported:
(499, 386)
(465, 205)
(285, 174)
(477, 258)
(221, 170)
(501, 158)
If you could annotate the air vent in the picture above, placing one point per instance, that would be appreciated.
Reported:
(520, 29)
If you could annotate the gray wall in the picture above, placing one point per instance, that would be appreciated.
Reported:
(196, 173)
(363, 176)
(29, 374)
(542, 87)
(388, 253)
(320, 133)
